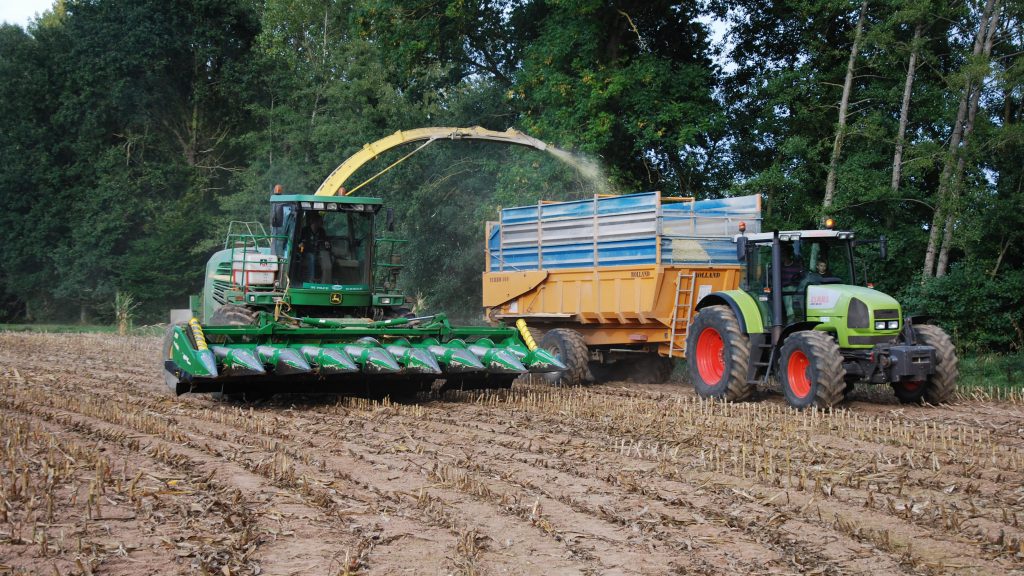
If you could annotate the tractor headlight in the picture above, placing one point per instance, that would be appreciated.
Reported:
(880, 325)
(385, 300)
(893, 324)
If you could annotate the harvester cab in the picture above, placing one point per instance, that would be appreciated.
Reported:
(802, 315)
(323, 257)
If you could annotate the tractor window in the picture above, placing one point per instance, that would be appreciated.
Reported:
(826, 261)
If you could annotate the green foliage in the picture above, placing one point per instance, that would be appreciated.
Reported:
(981, 313)
(994, 374)
(134, 131)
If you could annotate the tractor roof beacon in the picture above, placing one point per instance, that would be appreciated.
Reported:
(802, 315)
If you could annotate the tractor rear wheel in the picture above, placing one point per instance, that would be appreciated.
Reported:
(811, 370)
(569, 347)
(718, 355)
(941, 387)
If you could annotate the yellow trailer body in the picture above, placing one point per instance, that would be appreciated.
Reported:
(625, 272)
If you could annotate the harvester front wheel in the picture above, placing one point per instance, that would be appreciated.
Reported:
(811, 370)
(718, 355)
(941, 387)
(232, 315)
(569, 347)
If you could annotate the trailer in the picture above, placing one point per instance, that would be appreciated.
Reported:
(609, 283)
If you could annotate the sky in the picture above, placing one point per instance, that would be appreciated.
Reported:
(21, 11)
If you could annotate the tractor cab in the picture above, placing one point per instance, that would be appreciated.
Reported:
(808, 259)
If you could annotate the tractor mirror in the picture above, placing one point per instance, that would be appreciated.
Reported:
(389, 219)
(883, 247)
(741, 248)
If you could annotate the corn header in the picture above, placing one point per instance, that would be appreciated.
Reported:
(312, 305)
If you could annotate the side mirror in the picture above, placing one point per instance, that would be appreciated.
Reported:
(741, 248)
(883, 247)
(389, 219)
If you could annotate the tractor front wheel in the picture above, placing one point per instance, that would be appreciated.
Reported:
(718, 355)
(941, 386)
(569, 347)
(911, 392)
(811, 370)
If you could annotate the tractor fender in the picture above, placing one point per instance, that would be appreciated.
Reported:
(796, 327)
(743, 306)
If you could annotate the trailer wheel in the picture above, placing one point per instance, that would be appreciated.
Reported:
(569, 347)
(718, 355)
(811, 370)
(941, 387)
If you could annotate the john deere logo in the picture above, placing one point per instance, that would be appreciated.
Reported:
(335, 298)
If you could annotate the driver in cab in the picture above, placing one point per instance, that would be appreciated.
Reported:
(317, 262)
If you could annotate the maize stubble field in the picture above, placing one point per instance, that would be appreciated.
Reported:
(102, 472)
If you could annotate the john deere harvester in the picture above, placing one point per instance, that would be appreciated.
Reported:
(312, 305)
(801, 316)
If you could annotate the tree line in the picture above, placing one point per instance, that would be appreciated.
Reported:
(133, 131)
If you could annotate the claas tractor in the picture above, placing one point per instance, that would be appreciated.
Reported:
(801, 316)
(313, 306)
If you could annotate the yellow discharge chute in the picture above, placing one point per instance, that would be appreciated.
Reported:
(333, 184)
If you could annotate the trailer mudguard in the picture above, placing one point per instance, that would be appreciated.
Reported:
(743, 306)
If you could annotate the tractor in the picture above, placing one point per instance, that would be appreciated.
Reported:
(801, 316)
(313, 305)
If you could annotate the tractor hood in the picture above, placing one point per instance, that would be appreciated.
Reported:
(854, 313)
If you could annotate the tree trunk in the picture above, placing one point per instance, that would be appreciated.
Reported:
(844, 103)
(958, 175)
(939, 218)
(908, 87)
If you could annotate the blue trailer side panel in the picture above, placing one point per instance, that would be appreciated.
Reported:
(619, 231)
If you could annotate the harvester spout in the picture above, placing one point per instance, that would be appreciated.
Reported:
(333, 184)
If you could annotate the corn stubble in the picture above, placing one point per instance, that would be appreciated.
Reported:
(599, 473)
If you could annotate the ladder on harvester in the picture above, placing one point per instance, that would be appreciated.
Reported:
(681, 312)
